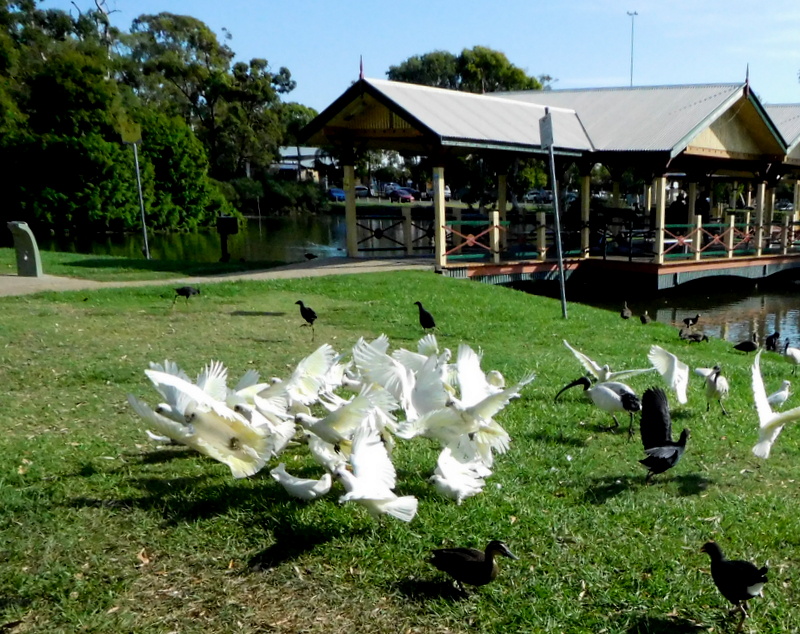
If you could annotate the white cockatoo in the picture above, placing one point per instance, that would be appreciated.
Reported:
(770, 423)
(602, 373)
(458, 477)
(373, 477)
(673, 371)
(303, 488)
(777, 399)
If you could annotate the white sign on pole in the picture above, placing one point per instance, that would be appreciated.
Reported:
(546, 130)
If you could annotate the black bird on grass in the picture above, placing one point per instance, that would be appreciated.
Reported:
(626, 312)
(655, 425)
(425, 318)
(470, 565)
(692, 336)
(307, 313)
(738, 581)
(772, 341)
(645, 319)
(751, 345)
(185, 291)
(691, 321)
(311, 256)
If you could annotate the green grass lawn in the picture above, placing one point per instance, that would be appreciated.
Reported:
(109, 268)
(105, 531)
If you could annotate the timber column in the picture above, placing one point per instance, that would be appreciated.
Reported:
(761, 192)
(350, 217)
(586, 195)
(502, 202)
(439, 211)
(660, 185)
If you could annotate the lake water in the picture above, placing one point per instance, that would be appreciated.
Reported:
(730, 308)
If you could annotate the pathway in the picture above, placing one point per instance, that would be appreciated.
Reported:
(16, 285)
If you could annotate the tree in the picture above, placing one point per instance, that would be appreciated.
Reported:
(479, 69)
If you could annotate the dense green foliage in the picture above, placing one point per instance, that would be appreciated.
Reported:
(73, 88)
(106, 531)
(478, 69)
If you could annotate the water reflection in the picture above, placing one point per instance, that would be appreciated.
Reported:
(729, 315)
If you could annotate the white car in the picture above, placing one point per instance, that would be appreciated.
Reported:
(429, 193)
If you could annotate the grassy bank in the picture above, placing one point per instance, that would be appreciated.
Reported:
(104, 531)
(108, 268)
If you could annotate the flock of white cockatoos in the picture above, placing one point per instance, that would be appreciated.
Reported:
(397, 395)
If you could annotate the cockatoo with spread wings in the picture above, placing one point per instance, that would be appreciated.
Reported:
(673, 371)
(770, 423)
(373, 477)
(602, 373)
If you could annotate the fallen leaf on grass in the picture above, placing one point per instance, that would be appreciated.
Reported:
(142, 555)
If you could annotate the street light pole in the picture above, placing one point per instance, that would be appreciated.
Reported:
(633, 15)
(141, 199)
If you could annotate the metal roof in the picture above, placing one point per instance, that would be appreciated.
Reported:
(787, 118)
(462, 119)
(652, 118)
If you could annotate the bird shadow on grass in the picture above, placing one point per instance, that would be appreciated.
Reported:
(603, 489)
(255, 313)
(664, 625)
(159, 456)
(422, 590)
(291, 541)
(692, 484)
(553, 439)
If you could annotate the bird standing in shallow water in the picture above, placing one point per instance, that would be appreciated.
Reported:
(626, 312)
(425, 318)
(307, 313)
(185, 291)
(655, 426)
(470, 565)
(738, 581)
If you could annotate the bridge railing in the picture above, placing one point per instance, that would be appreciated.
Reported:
(405, 233)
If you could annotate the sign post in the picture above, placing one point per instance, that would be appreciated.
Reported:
(132, 134)
(546, 140)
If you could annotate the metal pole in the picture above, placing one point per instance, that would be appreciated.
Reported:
(547, 140)
(633, 15)
(141, 201)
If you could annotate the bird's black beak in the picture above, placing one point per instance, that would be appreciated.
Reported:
(508, 553)
(581, 381)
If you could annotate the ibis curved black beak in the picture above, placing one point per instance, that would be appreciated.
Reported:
(586, 383)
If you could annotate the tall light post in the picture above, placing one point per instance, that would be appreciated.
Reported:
(632, 15)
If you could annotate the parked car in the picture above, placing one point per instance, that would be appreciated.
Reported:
(429, 193)
(784, 205)
(336, 194)
(414, 192)
(401, 195)
(388, 188)
(534, 196)
(362, 191)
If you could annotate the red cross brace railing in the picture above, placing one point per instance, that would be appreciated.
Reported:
(471, 240)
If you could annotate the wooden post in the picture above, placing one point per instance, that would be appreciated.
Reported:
(734, 195)
(760, 196)
(796, 201)
(408, 239)
(494, 235)
(439, 211)
(458, 217)
(351, 218)
(731, 233)
(615, 200)
(692, 201)
(541, 235)
(648, 200)
(502, 202)
(586, 195)
(661, 207)
(785, 235)
(697, 241)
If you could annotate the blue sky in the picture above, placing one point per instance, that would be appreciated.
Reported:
(582, 43)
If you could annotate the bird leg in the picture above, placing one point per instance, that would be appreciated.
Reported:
(723, 408)
(708, 405)
(612, 428)
(648, 477)
(630, 427)
(312, 332)
(741, 620)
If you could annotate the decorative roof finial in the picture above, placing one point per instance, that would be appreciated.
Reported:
(747, 82)
(361, 67)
